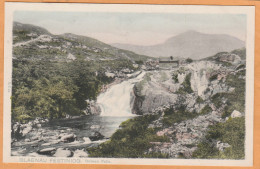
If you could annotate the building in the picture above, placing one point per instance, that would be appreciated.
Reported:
(168, 62)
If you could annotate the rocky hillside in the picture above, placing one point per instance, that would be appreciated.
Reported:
(190, 100)
(32, 42)
(191, 44)
(195, 110)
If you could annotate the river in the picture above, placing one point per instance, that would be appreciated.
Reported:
(115, 104)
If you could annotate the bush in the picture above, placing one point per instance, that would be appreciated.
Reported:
(186, 85)
(175, 78)
(189, 60)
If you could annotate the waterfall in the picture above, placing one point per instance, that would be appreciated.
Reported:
(116, 100)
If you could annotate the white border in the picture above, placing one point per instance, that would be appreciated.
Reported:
(10, 7)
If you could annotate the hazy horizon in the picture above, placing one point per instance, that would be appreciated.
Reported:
(134, 28)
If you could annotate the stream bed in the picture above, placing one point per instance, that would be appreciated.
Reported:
(70, 137)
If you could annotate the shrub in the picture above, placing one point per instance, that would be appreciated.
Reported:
(188, 60)
(186, 85)
(175, 78)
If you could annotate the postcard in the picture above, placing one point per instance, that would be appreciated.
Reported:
(128, 84)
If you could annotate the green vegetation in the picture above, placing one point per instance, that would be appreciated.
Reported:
(132, 140)
(205, 150)
(175, 78)
(234, 100)
(188, 60)
(232, 132)
(186, 86)
(53, 89)
(240, 52)
(172, 116)
(205, 110)
(199, 100)
(46, 84)
(213, 77)
(139, 62)
(22, 36)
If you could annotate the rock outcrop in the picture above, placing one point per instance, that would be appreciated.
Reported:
(189, 88)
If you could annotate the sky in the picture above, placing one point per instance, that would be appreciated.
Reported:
(134, 28)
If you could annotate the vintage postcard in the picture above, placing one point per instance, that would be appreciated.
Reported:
(128, 84)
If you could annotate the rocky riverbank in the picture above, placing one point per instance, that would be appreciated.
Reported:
(63, 137)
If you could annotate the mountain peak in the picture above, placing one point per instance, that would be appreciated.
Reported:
(190, 44)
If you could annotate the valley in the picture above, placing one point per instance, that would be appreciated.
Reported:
(74, 96)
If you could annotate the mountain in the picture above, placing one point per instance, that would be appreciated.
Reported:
(191, 44)
(33, 42)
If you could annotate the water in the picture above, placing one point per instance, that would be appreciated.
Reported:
(115, 108)
(116, 100)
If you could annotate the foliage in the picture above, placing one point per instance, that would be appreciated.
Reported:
(53, 89)
(205, 150)
(205, 110)
(199, 100)
(139, 62)
(240, 52)
(172, 116)
(189, 60)
(175, 78)
(234, 100)
(186, 85)
(232, 132)
(132, 140)
(213, 77)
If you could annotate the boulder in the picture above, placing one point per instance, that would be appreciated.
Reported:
(80, 153)
(63, 153)
(68, 138)
(46, 144)
(27, 130)
(47, 151)
(27, 140)
(235, 114)
(95, 127)
(96, 136)
(221, 146)
(86, 140)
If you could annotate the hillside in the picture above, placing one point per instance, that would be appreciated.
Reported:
(191, 44)
(54, 75)
(33, 42)
(195, 110)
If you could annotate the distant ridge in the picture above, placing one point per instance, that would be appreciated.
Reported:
(190, 44)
